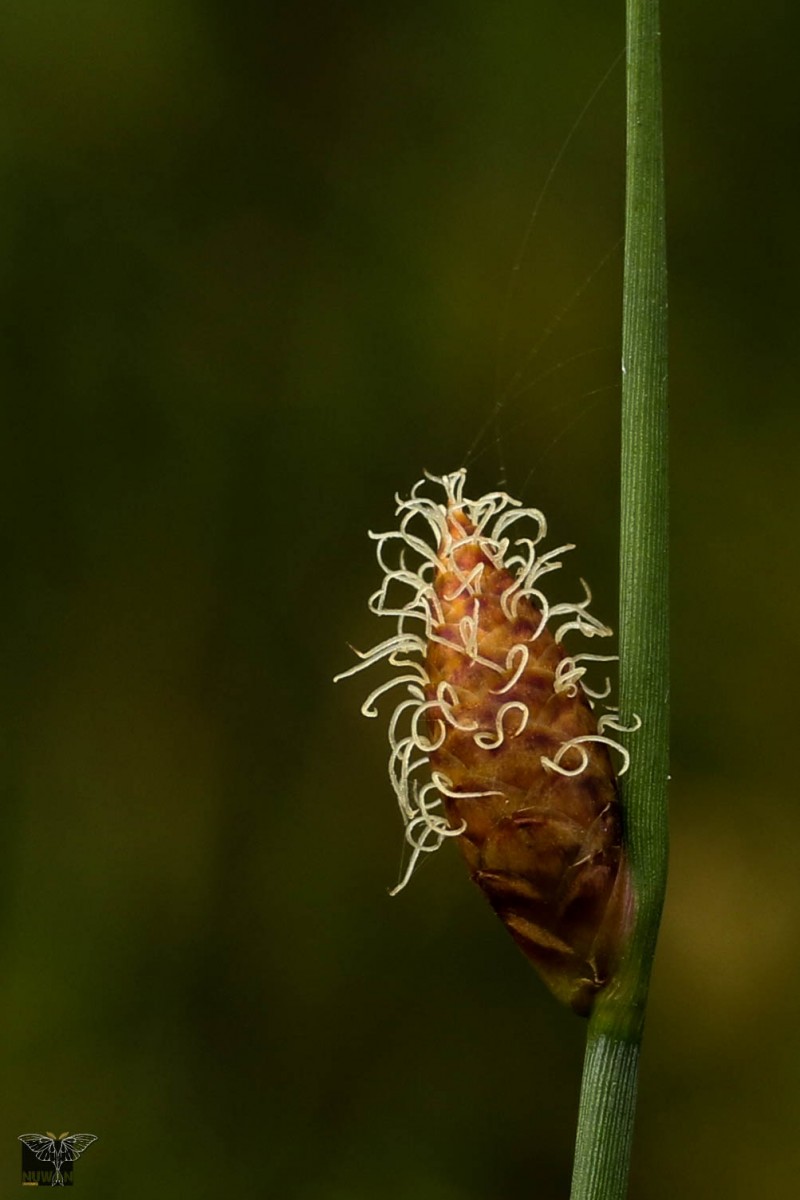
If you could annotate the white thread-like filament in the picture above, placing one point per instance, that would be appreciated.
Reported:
(491, 741)
(579, 744)
(520, 651)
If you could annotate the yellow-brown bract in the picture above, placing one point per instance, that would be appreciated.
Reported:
(495, 741)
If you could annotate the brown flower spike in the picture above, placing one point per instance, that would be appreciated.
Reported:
(501, 718)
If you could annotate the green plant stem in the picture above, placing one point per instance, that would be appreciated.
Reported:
(608, 1093)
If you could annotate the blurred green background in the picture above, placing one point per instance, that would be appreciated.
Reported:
(255, 263)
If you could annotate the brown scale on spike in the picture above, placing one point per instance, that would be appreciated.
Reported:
(544, 847)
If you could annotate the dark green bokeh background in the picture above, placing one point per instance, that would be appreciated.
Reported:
(254, 266)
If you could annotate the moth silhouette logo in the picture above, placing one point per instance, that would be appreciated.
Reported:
(55, 1153)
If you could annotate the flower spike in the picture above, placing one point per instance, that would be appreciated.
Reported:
(495, 743)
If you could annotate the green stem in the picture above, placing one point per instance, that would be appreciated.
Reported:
(608, 1093)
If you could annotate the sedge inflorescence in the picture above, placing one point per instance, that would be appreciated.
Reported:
(498, 740)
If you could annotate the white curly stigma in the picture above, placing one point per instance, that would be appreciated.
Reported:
(608, 721)
(418, 725)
